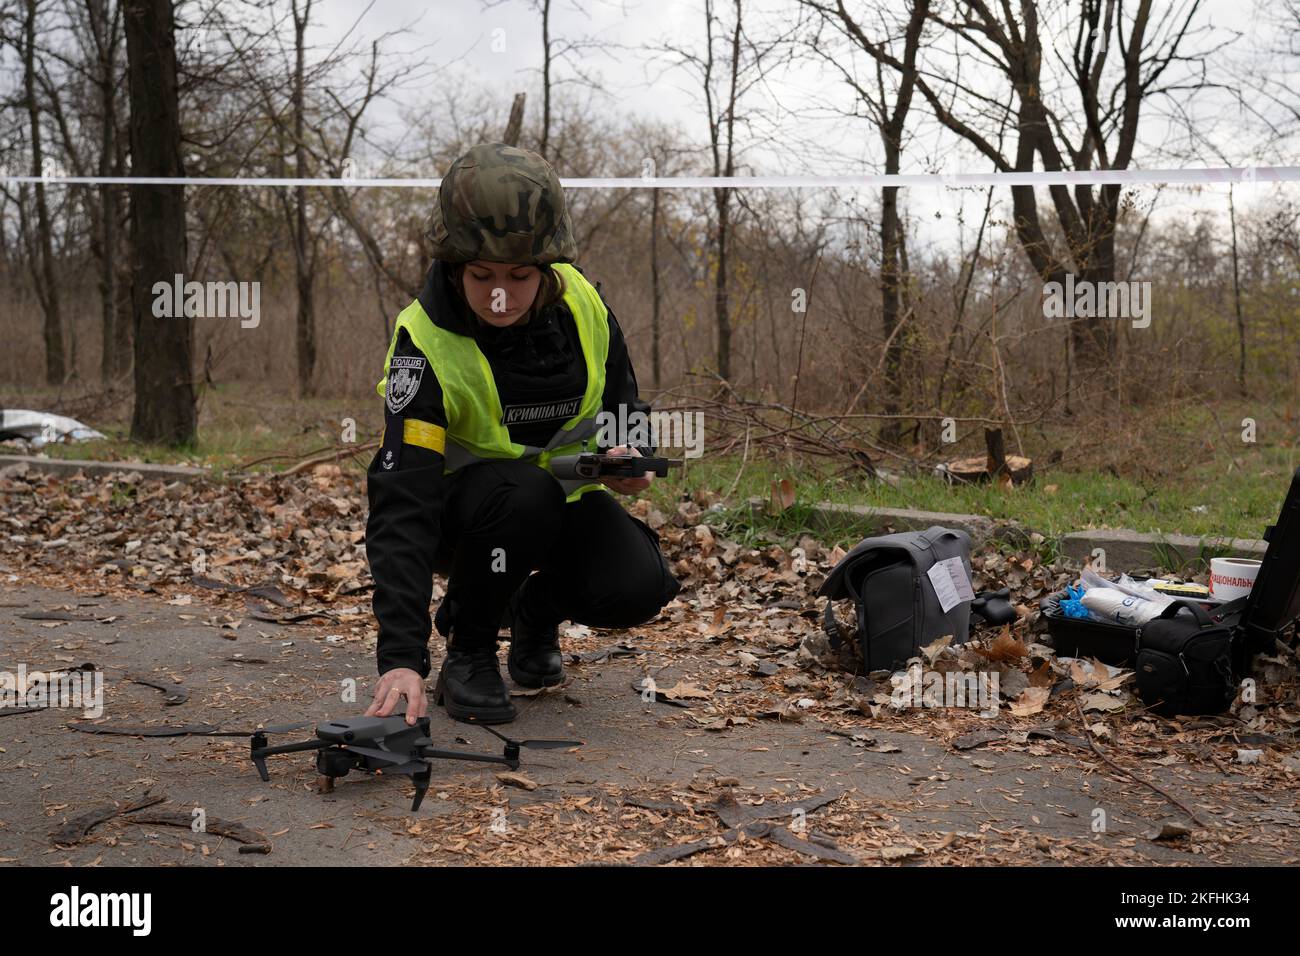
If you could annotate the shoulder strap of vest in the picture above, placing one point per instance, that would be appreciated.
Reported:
(587, 307)
(419, 327)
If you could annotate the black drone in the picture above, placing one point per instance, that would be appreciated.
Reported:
(387, 745)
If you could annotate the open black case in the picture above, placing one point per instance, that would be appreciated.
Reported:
(1272, 606)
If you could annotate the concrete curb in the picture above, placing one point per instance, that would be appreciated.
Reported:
(68, 466)
(1128, 550)
(1132, 549)
(878, 520)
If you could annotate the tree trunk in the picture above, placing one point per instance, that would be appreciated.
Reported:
(891, 429)
(721, 304)
(47, 292)
(1094, 338)
(722, 200)
(515, 124)
(104, 32)
(544, 145)
(304, 269)
(124, 326)
(165, 410)
(654, 288)
(108, 359)
(1236, 297)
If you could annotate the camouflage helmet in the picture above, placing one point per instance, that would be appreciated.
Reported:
(501, 203)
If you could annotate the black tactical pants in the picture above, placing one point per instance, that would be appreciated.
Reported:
(502, 520)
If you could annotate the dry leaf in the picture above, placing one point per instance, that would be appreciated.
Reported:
(897, 852)
(1006, 648)
(782, 495)
(1031, 701)
(1042, 676)
(522, 781)
(682, 691)
(1104, 702)
(1170, 830)
(935, 648)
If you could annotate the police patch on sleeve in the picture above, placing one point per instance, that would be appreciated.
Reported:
(404, 373)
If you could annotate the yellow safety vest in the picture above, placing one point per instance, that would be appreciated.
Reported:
(469, 393)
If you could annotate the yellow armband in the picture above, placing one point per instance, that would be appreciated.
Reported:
(424, 434)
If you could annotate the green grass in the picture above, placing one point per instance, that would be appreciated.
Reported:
(1182, 471)
(237, 427)
(1208, 500)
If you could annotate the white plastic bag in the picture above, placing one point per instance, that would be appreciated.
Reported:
(1141, 589)
(1118, 607)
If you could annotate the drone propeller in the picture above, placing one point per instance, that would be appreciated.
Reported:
(273, 729)
(285, 728)
(534, 744)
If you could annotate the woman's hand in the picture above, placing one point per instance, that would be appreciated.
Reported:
(628, 486)
(393, 686)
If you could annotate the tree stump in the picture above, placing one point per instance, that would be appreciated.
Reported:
(992, 466)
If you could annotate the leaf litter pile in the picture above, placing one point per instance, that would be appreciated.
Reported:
(744, 646)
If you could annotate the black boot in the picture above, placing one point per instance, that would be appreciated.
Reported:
(534, 659)
(470, 684)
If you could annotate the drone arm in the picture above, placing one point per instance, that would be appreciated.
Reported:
(433, 753)
(259, 752)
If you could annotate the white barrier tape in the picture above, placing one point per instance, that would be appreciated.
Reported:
(1091, 177)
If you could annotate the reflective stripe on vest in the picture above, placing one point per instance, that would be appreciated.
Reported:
(469, 391)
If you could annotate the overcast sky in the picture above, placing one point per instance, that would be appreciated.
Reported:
(464, 38)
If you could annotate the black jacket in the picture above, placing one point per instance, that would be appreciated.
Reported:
(535, 365)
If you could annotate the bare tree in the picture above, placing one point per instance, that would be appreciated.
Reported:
(574, 52)
(724, 81)
(93, 144)
(318, 125)
(304, 261)
(105, 22)
(41, 254)
(888, 110)
(1084, 114)
(659, 158)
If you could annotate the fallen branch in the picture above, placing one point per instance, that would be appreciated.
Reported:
(1130, 774)
(253, 841)
(75, 830)
(332, 456)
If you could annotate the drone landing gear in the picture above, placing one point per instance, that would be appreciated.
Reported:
(421, 780)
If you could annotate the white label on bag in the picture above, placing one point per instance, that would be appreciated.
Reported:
(951, 583)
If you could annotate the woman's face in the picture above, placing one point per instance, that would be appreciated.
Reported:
(500, 293)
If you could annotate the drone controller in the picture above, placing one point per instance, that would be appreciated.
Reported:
(591, 464)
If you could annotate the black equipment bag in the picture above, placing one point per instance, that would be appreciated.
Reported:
(1274, 602)
(1185, 663)
(898, 611)
(1262, 616)
(1192, 665)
